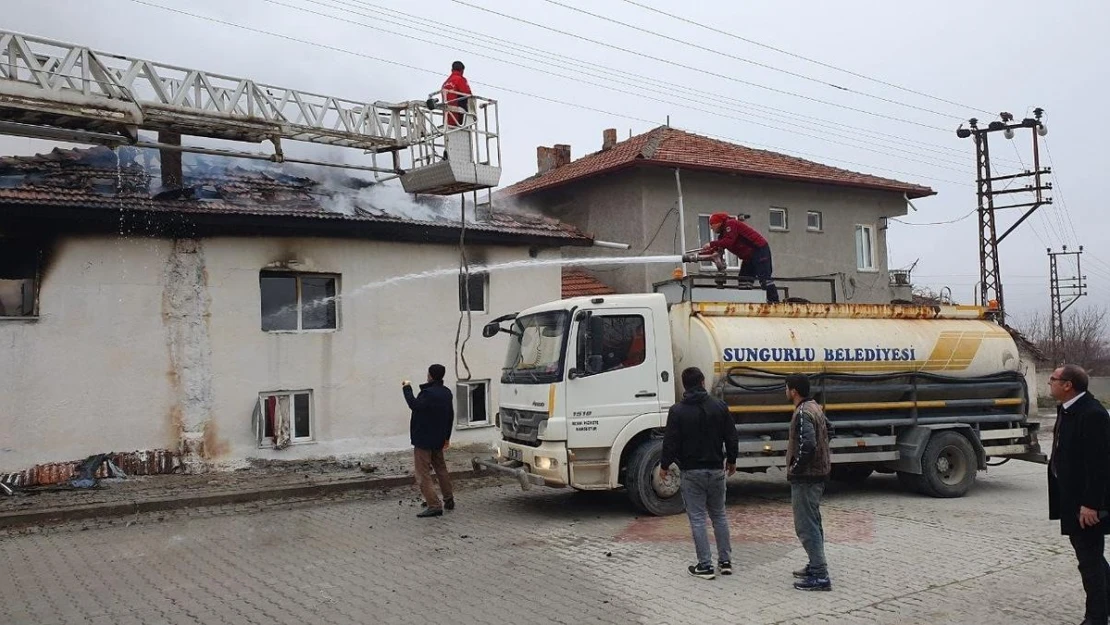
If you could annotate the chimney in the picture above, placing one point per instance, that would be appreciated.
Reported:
(551, 158)
(545, 159)
(608, 138)
(170, 160)
(562, 154)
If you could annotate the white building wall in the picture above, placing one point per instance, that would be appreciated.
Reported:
(139, 340)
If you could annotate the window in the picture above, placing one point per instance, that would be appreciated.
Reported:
(865, 248)
(283, 418)
(472, 403)
(19, 270)
(777, 219)
(473, 292)
(294, 302)
(813, 221)
(705, 235)
(621, 343)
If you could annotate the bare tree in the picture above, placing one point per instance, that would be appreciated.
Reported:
(1085, 341)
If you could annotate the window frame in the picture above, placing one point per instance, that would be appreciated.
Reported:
(267, 442)
(869, 229)
(584, 348)
(785, 219)
(732, 262)
(484, 276)
(463, 397)
(820, 221)
(36, 249)
(298, 277)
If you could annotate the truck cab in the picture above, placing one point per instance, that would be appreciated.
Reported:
(581, 377)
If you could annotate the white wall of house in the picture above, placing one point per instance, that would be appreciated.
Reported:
(138, 340)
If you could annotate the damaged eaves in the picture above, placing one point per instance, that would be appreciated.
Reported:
(86, 191)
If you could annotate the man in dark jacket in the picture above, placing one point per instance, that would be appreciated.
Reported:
(807, 469)
(433, 418)
(749, 246)
(701, 438)
(1078, 480)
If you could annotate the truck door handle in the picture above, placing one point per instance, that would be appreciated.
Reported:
(645, 394)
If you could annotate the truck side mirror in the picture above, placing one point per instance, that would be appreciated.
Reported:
(491, 329)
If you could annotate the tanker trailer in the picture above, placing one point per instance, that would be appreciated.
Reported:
(929, 393)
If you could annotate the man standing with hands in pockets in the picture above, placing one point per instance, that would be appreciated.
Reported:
(701, 438)
(433, 418)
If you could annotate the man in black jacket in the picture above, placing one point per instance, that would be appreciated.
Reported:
(1078, 480)
(701, 438)
(433, 418)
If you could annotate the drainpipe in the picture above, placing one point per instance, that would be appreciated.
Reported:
(681, 219)
(611, 245)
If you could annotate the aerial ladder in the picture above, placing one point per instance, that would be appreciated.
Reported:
(66, 92)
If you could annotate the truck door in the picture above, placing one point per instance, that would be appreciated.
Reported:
(614, 374)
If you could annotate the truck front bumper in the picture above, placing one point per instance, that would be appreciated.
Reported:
(511, 468)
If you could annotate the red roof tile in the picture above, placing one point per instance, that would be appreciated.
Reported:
(671, 147)
(578, 283)
(91, 180)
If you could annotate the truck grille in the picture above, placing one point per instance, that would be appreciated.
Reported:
(522, 426)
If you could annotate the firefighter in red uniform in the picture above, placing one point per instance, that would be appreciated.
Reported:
(748, 245)
(456, 92)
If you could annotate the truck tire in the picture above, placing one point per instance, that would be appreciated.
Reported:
(948, 465)
(850, 473)
(647, 492)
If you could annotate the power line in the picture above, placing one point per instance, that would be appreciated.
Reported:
(936, 223)
(535, 96)
(750, 61)
(1059, 188)
(805, 58)
(547, 71)
(790, 117)
(643, 55)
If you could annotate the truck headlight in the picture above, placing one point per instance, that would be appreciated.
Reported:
(544, 463)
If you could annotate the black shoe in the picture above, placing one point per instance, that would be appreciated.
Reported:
(802, 573)
(698, 571)
(725, 567)
(449, 503)
(813, 583)
(427, 512)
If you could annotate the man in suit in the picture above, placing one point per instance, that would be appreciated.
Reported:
(1079, 481)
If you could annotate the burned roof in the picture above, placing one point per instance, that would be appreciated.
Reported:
(670, 147)
(65, 188)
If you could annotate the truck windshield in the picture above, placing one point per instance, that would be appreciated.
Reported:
(536, 349)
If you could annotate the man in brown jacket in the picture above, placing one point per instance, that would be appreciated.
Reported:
(807, 469)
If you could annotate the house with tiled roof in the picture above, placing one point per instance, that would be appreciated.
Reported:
(224, 312)
(821, 221)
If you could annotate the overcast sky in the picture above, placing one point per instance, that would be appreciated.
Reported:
(969, 52)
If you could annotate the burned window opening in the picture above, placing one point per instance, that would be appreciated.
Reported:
(293, 302)
(284, 418)
(472, 400)
(19, 278)
(473, 293)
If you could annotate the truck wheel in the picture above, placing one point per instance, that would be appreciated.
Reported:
(647, 492)
(948, 465)
(850, 473)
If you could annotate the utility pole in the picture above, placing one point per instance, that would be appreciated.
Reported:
(1064, 292)
(990, 285)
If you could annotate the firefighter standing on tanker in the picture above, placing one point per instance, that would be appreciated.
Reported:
(456, 91)
(748, 245)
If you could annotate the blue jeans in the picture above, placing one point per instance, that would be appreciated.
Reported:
(805, 498)
(703, 491)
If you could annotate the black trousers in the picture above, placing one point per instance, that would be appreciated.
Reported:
(1089, 547)
(759, 267)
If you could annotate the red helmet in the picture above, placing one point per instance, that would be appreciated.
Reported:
(717, 218)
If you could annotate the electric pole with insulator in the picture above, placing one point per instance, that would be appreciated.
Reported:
(990, 285)
(1064, 292)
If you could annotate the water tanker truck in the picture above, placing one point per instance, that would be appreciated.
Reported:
(931, 393)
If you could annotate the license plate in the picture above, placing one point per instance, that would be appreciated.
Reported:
(515, 454)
